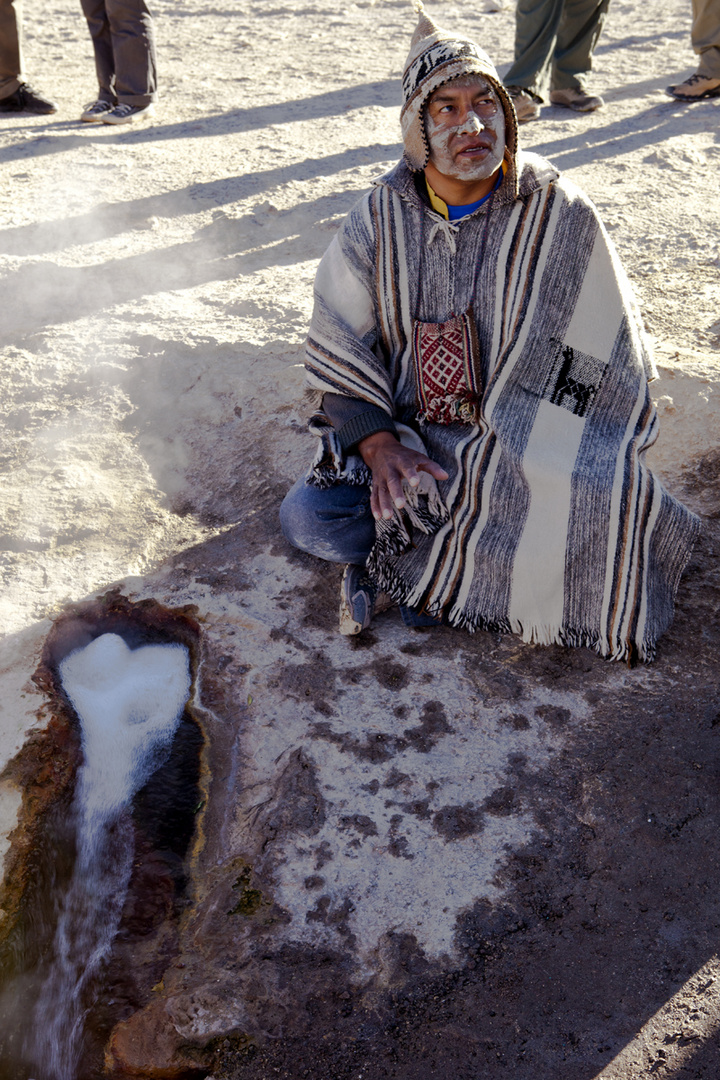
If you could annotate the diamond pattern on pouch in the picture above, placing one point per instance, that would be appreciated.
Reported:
(443, 362)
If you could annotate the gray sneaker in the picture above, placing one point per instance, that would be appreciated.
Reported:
(358, 594)
(127, 114)
(93, 113)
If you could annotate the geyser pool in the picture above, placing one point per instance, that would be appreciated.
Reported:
(129, 703)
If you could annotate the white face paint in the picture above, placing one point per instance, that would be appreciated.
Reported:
(465, 127)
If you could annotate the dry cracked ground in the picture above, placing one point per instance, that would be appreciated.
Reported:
(413, 854)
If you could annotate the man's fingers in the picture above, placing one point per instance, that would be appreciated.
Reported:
(425, 464)
(396, 492)
(433, 468)
(387, 492)
(410, 474)
(381, 501)
(386, 504)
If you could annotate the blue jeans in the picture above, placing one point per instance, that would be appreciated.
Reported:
(337, 525)
(334, 523)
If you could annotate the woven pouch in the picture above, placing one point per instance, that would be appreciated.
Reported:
(446, 359)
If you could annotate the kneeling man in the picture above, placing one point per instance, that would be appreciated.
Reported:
(485, 390)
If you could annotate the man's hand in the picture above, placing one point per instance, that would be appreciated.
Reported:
(390, 463)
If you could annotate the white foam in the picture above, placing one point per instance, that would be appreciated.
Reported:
(129, 703)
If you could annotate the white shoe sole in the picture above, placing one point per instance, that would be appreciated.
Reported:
(143, 114)
(349, 625)
(88, 117)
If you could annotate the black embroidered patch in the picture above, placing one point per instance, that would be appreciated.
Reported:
(574, 379)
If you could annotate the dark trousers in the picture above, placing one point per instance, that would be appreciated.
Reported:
(10, 53)
(124, 43)
(554, 42)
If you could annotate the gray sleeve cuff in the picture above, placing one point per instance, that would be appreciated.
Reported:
(354, 420)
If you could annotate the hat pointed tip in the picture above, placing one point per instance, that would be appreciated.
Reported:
(425, 27)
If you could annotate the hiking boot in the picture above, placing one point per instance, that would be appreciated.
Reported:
(696, 88)
(577, 99)
(25, 99)
(527, 105)
(358, 594)
(127, 114)
(93, 114)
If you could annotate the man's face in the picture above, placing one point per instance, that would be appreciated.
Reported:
(465, 127)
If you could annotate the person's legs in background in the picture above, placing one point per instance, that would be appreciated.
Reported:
(580, 28)
(11, 64)
(133, 38)
(15, 93)
(124, 43)
(536, 27)
(705, 36)
(99, 27)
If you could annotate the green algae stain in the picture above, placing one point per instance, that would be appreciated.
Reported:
(249, 900)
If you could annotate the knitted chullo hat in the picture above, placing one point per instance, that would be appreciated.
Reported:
(437, 56)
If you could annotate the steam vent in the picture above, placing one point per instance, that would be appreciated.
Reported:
(235, 844)
(328, 857)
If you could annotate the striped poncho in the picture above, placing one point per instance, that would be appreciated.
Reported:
(555, 529)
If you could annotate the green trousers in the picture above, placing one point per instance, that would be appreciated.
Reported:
(706, 36)
(554, 42)
(10, 54)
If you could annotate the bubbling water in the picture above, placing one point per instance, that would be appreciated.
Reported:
(129, 704)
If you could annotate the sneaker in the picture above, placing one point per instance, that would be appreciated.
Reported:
(25, 99)
(695, 88)
(416, 619)
(93, 114)
(527, 105)
(127, 114)
(358, 594)
(577, 99)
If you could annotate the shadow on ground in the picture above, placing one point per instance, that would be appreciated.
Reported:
(60, 136)
(643, 131)
(43, 293)
(603, 917)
